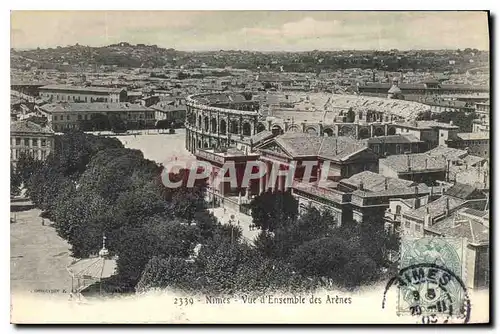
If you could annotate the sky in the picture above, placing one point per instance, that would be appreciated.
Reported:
(253, 30)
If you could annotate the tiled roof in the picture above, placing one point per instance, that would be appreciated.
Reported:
(81, 89)
(339, 148)
(474, 212)
(394, 139)
(473, 135)
(300, 144)
(476, 177)
(419, 162)
(473, 231)
(89, 107)
(437, 207)
(459, 190)
(376, 182)
(449, 153)
(28, 127)
(261, 136)
(427, 125)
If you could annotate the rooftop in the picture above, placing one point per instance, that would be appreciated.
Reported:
(447, 152)
(463, 191)
(96, 107)
(422, 125)
(393, 139)
(81, 89)
(473, 135)
(457, 226)
(376, 182)
(28, 127)
(299, 144)
(436, 208)
(418, 162)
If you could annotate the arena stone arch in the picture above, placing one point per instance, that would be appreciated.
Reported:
(277, 130)
(223, 127)
(364, 133)
(328, 132)
(260, 127)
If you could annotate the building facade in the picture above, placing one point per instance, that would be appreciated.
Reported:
(60, 93)
(31, 139)
(69, 116)
(476, 143)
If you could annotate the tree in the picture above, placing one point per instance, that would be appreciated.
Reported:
(322, 257)
(164, 272)
(15, 181)
(27, 166)
(312, 225)
(116, 123)
(74, 150)
(270, 210)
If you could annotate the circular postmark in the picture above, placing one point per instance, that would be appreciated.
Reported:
(432, 293)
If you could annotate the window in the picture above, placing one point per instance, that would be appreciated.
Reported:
(43, 142)
(79, 117)
(417, 227)
(398, 209)
(106, 100)
(407, 224)
(85, 99)
(67, 117)
(55, 118)
(26, 142)
(442, 134)
(86, 117)
(376, 149)
(18, 141)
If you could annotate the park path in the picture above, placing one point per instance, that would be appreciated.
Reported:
(240, 219)
(38, 256)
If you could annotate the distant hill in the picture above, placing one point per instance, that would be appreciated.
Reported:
(133, 56)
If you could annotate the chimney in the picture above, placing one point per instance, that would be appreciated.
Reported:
(416, 190)
(447, 211)
(385, 183)
(427, 218)
(336, 147)
(432, 193)
(361, 186)
(408, 162)
(426, 163)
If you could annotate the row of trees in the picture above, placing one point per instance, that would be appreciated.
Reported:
(93, 186)
(464, 120)
(316, 246)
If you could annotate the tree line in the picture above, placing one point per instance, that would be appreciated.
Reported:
(166, 238)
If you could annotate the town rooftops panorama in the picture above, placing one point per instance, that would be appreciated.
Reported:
(89, 89)
(93, 107)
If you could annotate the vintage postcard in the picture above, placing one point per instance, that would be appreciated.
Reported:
(250, 167)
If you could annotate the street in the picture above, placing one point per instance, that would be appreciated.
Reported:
(38, 255)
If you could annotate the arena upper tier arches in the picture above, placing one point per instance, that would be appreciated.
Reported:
(218, 120)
